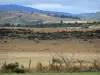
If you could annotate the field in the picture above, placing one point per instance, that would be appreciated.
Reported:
(80, 52)
(23, 50)
(56, 29)
(88, 73)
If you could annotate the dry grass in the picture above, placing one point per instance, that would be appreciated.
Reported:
(23, 50)
(56, 29)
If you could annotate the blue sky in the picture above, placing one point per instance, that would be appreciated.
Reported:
(70, 6)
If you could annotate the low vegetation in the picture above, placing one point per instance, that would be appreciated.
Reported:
(12, 68)
(31, 35)
(82, 73)
(54, 25)
(57, 64)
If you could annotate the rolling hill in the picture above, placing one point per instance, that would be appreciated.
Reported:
(29, 9)
(29, 18)
(17, 14)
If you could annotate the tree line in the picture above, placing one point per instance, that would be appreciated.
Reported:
(52, 25)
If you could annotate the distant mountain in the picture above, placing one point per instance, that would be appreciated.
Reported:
(27, 9)
(90, 15)
(96, 15)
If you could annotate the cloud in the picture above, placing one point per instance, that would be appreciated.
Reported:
(80, 7)
(71, 6)
(47, 6)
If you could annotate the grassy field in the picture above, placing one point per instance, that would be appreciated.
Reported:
(23, 50)
(84, 73)
(57, 29)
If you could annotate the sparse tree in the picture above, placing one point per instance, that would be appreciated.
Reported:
(61, 22)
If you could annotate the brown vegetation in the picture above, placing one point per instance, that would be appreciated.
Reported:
(56, 51)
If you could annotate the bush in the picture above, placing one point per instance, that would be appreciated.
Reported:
(12, 67)
(39, 67)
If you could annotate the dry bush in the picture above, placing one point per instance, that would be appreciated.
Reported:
(64, 64)
(5, 41)
(95, 65)
(39, 67)
(60, 64)
(36, 40)
(54, 68)
(12, 67)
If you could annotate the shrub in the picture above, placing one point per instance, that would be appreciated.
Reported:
(12, 67)
(95, 66)
(39, 67)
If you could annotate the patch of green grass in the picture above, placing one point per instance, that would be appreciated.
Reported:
(81, 73)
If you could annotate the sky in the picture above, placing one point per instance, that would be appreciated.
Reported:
(69, 6)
